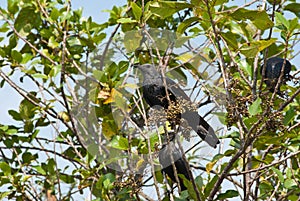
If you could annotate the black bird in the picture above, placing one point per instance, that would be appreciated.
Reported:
(154, 93)
(274, 66)
(170, 154)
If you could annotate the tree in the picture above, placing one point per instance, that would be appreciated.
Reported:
(83, 127)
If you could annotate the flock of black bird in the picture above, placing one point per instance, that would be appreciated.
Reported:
(165, 93)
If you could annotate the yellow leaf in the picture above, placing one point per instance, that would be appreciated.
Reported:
(140, 163)
(186, 57)
(64, 116)
(112, 97)
(209, 166)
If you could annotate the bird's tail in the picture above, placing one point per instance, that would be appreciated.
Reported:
(201, 127)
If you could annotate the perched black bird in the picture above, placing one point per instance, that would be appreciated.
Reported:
(274, 66)
(154, 93)
(170, 154)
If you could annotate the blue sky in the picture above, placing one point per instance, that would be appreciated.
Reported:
(95, 8)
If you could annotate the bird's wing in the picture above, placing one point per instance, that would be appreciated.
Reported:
(175, 89)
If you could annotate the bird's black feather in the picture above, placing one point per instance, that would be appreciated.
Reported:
(170, 154)
(272, 72)
(155, 94)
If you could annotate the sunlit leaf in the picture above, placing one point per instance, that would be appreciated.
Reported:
(280, 19)
(119, 142)
(259, 18)
(137, 11)
(126, 20)
(251, 49)
(132, 40)
(279, 174)
(209, 166)
(168, 8)
(290, 183)
(255, 107)
(5, 168)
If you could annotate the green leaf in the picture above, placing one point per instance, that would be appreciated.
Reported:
(99, 38)
(221, 116)
(265, 187)
(50, 166)
(65, 15)
(11, 131)
(159, 175)
(259, 18)
(294, 24)
(210, 185)
(55, 70)
(280, 19)
(12, 6)
(108, 181)
(180, 41)
(27, 157)
(185, 57)
(26, 109)
(186, 23)
(289, 116)
(26, 58)
(137, 11)
(132, 40)
(263, 21)
(54, 14)
(119, 142)
(230, 152)
(290, 184)
(68, 179)
(52, 42)
(189, 186)
(39, 169)
(293, 198)
(279, 174)
(255, 107)
(15, 115)
(165, 9)
(109, 127)
(4, 128)
(5, 168)
(73, 41)
(231, 39)
(245, 66)
(293, 7)
(199, 181)
(28, 127)
(40, 75)
(251, 49)
(17, 56)
(126, 20)
(4, 195)
(228, 194)
(24, 24)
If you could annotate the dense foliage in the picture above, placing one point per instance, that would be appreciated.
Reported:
(82, 128)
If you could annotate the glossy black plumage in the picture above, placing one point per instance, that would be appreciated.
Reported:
(154, 93)
(273, 69)
(171, 154)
